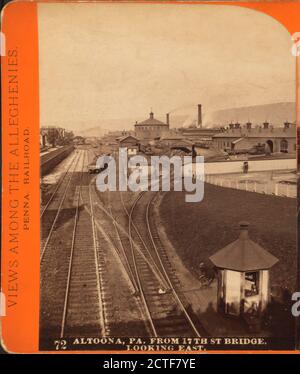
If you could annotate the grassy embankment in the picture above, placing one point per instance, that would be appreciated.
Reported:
(197, 230)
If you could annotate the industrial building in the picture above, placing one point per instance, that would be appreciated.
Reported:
(276, 139)
(197, 133)
(151, 128)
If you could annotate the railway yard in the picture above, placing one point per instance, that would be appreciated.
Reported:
(105, 270)
(119, 264)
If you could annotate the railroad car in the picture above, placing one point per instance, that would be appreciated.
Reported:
(94, 169)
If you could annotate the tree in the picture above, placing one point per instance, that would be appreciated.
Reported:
(53, 136)
(68, 137)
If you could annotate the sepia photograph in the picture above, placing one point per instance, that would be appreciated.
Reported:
(168, 178)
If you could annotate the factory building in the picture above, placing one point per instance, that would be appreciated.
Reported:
(171, 139)
(151, 128)
(275, 139)
(200, 135)
(197, 133)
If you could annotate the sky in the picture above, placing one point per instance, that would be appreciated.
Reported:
(116, 61)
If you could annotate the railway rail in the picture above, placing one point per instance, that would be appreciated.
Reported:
(165, 310)
(82, 304)
(54, 208)
(72, 258)
(59, 184)
(167, 314)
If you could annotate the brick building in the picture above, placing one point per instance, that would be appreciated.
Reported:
(238, 137)
(151, 129)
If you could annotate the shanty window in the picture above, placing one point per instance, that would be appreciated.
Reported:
(251, 283)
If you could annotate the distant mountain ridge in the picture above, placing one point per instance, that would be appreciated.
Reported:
(124, 124)
(276, 114)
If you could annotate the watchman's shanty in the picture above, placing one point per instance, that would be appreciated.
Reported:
(243, 276)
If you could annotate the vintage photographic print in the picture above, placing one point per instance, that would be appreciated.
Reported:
(168, 178)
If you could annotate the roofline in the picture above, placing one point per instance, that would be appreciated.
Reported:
(272, 135)
(248, 269)
(126, 136)
(151, 124)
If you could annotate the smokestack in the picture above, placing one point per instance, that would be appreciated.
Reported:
(199, 124)
(168, 119)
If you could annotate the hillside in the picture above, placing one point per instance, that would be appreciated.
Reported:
(276, 114)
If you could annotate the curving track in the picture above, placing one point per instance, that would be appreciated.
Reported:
(73, 258)
(167, 313)
(165, 310)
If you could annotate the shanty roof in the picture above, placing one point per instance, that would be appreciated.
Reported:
(151, 121)
(243, 254)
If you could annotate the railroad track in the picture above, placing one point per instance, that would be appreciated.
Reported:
(56, 250)
(60, 184)
(169, 271)
(167, 315)
(112, 235)
(84, 303)
(165, 311)
(53, 213)
(124, 244)
(125, 238)
(74, 263)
